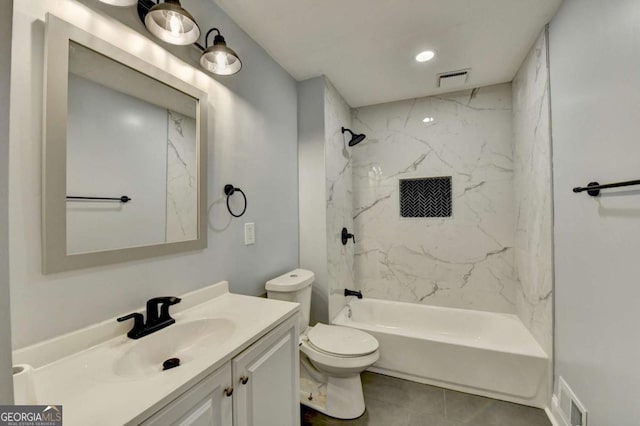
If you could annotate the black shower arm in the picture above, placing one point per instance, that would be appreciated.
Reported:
(344, 129)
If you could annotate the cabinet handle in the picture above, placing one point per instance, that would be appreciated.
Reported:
(244, 380)
(228, 391)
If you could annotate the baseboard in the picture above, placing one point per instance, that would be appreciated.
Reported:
(554, 415)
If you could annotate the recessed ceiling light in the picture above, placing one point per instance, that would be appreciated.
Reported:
(428, 120)
(425, 56)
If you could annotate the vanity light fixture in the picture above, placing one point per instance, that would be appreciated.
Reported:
(170, 22)
(218, 58)
(428, 120)
(425, 56)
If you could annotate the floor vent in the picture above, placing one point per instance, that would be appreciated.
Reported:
(453, 79)
(569, 407)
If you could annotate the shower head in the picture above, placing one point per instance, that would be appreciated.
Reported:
(355, 137)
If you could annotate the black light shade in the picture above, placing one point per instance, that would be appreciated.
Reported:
(170, 22)
(356, 138)
(218, 58)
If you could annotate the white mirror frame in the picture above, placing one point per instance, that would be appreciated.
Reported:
(54, 175)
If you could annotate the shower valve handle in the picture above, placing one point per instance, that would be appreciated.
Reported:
(346, 235)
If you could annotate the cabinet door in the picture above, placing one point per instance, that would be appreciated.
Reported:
(266, 380)
(208, 403)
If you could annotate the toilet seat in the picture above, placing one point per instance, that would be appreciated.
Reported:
(335, 365)
(343, 342)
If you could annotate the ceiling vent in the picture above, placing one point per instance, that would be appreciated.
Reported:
(452, 79)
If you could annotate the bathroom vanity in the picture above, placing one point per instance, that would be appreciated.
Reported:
(238, 366)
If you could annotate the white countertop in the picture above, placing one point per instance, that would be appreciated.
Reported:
(84, 379)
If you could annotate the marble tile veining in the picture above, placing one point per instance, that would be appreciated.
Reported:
(532, 180)
(182, 188)
(338, 164)
(466, 261)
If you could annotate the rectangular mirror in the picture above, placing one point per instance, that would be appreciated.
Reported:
(124, 155)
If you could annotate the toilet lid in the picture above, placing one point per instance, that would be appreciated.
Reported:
(343, 341)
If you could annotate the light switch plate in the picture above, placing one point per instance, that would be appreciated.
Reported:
(249, 233)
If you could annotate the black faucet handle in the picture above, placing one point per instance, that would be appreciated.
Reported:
(138, 324)
(345, 235)
(137, 317)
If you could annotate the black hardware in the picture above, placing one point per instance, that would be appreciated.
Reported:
(348, 292)
(143, 8)
(152, 310)
(216, 40)
(346, 235)
(355, 137)
(171, 363)
(244, 380)
(154, 322)
(228, 391)
(138, 324)
(593, 188)
(229, 190)
(123, 199)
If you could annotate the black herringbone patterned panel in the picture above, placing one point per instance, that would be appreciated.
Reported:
(425, 197)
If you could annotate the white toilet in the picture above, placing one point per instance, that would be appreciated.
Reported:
(331, 358)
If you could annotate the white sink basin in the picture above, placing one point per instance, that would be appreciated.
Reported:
(180, 340)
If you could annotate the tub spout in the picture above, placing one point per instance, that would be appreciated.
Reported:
(348, 292)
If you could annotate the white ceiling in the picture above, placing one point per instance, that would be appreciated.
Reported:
(367, 47)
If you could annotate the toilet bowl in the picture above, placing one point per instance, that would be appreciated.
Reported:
(332, 357)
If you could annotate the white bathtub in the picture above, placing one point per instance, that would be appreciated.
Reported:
(484, 353)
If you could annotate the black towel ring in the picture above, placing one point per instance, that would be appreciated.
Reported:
(229, 190)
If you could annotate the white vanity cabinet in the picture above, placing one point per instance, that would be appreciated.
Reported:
(209, 403)
(267, 380)
(258, 387)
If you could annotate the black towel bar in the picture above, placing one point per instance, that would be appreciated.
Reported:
(123, 199)
(593, 188)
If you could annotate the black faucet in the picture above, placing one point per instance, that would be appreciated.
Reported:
(155, 322)
(348, 292)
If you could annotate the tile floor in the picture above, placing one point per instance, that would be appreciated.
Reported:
(396, 402)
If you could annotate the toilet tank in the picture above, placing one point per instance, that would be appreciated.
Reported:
(294, 286)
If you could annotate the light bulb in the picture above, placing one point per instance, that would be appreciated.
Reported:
(221, 61)
(174, 22)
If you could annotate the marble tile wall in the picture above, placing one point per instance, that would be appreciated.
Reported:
(338, 169)
(182, 189)
(533, 194)
(466, 261)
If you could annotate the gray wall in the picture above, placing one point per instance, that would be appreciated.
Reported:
(252, 144)
(313, 190)
(6, 380)
(595, 103)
